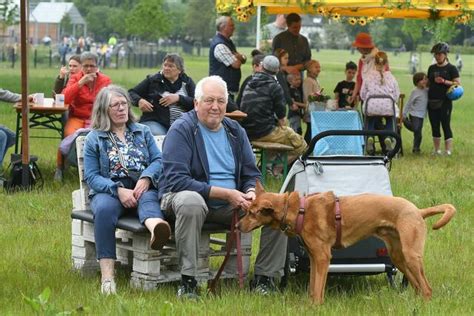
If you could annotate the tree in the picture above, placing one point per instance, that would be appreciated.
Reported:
(103, 21)
(148, 20)
(8, 14)
(413, 29)
(200, 20)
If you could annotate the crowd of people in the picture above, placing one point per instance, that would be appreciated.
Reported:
(206, 169)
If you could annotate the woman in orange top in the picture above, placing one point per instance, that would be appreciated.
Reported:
(80, 93)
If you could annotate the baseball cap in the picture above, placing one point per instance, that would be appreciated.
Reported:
(271, 64)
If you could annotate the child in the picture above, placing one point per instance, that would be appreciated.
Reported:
(380, 81)
(344, 88)
(281, 76)
(311, 87)
(295, 111)
(415, 110)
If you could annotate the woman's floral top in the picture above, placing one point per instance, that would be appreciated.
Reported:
(133, 157)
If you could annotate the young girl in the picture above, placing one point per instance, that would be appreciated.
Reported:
(311, 87)
(415, 109)
(380, 81)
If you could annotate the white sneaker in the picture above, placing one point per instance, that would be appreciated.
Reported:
(370, 148)
(108, 287)
(448, 152)
(388, 144)
(437, 152)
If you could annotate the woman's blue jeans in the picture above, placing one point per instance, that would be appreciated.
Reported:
(108, 209)
(7, 139)
(155, 128)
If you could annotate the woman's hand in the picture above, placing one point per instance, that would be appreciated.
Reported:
(127, 198)
(63, 72)
(169, 99)
(145, 106)
(142, 186)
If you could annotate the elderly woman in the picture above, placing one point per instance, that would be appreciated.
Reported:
(122, 164)
(79, 94)
(163, 97)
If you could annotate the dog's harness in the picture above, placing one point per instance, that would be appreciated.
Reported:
(300, 219)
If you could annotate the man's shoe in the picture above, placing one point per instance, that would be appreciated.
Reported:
(263, 285)
(108, 287)
(58, 175)
(188, 291)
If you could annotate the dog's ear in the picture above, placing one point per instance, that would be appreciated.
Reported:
(259, 188)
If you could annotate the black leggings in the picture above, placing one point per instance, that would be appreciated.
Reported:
(441, 117)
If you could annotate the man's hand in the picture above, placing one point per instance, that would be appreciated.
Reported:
(126, 197)
(282, 122)
(294, 107)
(141, 187)
(145, 106)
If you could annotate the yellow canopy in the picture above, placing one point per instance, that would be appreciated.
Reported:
(418, 9)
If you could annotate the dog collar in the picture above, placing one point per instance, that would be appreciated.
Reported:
(284, 227)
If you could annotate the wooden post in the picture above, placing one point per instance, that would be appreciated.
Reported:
(25, 148)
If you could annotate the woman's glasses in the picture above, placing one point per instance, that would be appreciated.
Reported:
(116, 106)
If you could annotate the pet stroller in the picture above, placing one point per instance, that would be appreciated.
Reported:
(384, 110)
(344, 175)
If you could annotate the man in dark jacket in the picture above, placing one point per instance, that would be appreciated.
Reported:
(208, 172)
(264, 102)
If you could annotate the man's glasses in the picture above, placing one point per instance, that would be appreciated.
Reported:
(116, 106)
(210, 101)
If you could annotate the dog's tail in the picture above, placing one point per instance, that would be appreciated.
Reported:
(448, 212)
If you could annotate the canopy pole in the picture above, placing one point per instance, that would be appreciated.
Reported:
(24, 43)
(259, 22)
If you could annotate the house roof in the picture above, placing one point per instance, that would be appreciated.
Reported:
(53, 12)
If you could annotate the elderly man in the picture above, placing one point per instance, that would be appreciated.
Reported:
(263, 101)
(208, 172)
(224, 60)
(294, 43)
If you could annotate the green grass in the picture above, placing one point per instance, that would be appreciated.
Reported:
(35, 226)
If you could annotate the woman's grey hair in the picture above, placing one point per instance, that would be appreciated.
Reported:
(89, 56)
(222, 21)
(198, 92)
(100, 112)
(175, 59)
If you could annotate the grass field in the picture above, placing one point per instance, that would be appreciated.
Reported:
(35, 226)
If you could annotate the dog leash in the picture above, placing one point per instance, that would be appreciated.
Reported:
(233, 234)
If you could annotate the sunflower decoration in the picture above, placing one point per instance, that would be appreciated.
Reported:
(336, 16)
(243, 17)
(370, 19)
(362, 21)
(224, 7)
(457, 6)
(352, 21)
(321, 11)
(463, 19)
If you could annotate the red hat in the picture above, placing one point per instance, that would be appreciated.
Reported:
(363, 40)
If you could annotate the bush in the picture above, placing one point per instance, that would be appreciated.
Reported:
(466, 50)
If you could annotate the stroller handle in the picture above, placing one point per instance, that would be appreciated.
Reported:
(321, 135)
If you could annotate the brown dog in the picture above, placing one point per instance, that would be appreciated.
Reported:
(395, 220)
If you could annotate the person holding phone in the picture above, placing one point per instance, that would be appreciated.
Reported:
(79, 94)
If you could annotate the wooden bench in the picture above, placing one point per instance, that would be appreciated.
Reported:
(149, 267)
(263, 150)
